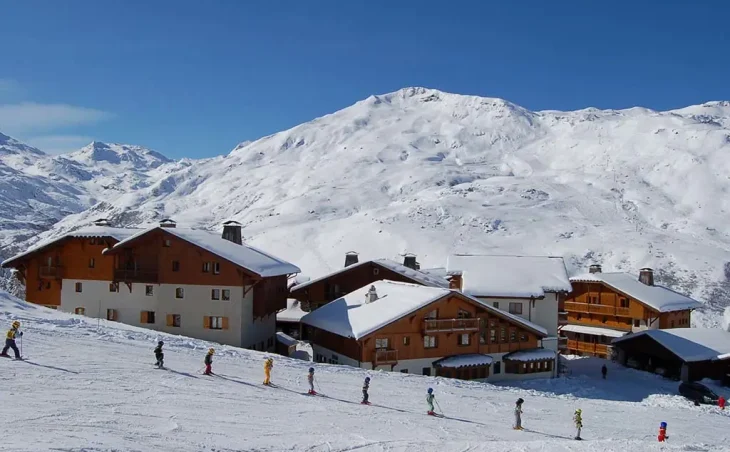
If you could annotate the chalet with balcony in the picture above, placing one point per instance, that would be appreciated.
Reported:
(606, 306)
(318, 292)
(411, 328)
(530, 287)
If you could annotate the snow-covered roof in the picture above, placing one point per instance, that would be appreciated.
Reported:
(91, 231)
(414, 275)
(594, 330)
(351, 316)
(534, 354)
(510, 276)
(659, 298)
(285, 339)
(473, 359)
(246, 256)
(292, 313)
(689, 344)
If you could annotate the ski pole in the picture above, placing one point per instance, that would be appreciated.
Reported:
(316, 381)
(439, 406)
(21, 346)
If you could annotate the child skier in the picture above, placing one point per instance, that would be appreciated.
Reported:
(578, 419)
(430, 398)
(159, 355)
(209, 362)
(268, 364)
(365, 387)
(10, 340)
(518, 414)
(310, 379)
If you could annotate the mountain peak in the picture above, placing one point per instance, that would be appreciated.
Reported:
(11, 146)
(115, 153)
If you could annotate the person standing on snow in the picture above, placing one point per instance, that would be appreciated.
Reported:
(518, 414)
(430, 398)
(209, 362)
(268, 364)
(578, 419)
(310, 379)
(604, 371)
(10, 340)
(365, 387)
(159, 355)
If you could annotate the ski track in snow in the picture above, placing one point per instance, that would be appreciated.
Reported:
(89, 388)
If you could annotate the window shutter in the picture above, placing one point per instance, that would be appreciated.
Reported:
(169, 320)
(225, 323)
(143, 317)
(206, 322)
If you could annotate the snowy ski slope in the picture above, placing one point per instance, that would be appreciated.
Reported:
(89, 388)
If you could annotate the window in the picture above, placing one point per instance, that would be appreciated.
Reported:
(79, 287)
(206, 267)
(429, 341)
(671, 324)
(463, 314)
(226, 295)
(515, 308)
(503, 335)
(578, 316)
(179, 292)
(605, 319)
(112, 314)
(498, 367)
(624, 302)
(432, 315)
(513, 336)
(166, 244)
(381, 342)
(492, 336)
(216, 268)
(594, 300)
(147, 317)
(496, 304)
(482, 337)
(149, 291)
(220, 323)
(523, 337)
(48, 285)
(92, 262)
(404, 371)
(426, 371)
(173, 320)
(80, 311)
(406, 340)
(637, 323)
(176, 266)
(464, 339)
(113, 287)
(215, 294)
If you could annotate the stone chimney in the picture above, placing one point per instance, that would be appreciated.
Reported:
(351, 258)
(646, 276)
(167, 223)
(594, 268)
(232, 232)
(102, 222)
(371, 296)
(410, 261)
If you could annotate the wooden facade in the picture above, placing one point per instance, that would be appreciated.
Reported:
(452, 325)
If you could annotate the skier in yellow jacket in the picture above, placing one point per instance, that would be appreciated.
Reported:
(10, 340)
(268, 364)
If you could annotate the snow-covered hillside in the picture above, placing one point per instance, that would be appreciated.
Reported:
(433, 173)
(92, 386)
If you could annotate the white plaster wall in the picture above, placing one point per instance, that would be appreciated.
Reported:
(341, 359)
(541, 312)
(550, 343)
(416, 366)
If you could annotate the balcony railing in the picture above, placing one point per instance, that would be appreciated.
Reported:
(447, 325)
(50, 271)
(596, 349)
(596, 309)
(136, 275)
(385, 357)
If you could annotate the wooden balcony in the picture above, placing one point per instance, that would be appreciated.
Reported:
(587, 347)
(147, 275)
(450, 325)
(383, 356)
(50, 272)
(601, 309)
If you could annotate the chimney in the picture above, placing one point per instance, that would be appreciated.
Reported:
(595, 268)
(167, 223)
(646, 276)
(455, 281)
(102, 222)
(371, 296)
(350, 258)
(232, 232)
(410, 261)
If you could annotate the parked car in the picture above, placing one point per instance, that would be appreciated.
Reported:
(698, 393)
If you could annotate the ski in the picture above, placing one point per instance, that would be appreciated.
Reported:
(22, 358)
(365, 403)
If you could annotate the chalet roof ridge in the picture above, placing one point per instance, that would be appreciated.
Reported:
(689, 344)
(546, 256)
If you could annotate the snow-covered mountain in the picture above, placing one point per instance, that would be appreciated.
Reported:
(432, 173)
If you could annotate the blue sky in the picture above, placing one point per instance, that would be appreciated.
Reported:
(192, 79)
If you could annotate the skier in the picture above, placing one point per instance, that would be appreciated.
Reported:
(365, 387)
(159, 355)
(268, 364)
(721, 402)
(518, 414)
(209, 362)
(10, 340)
(604, 371)
(578, 419)
(310, 379)
(430, 398)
